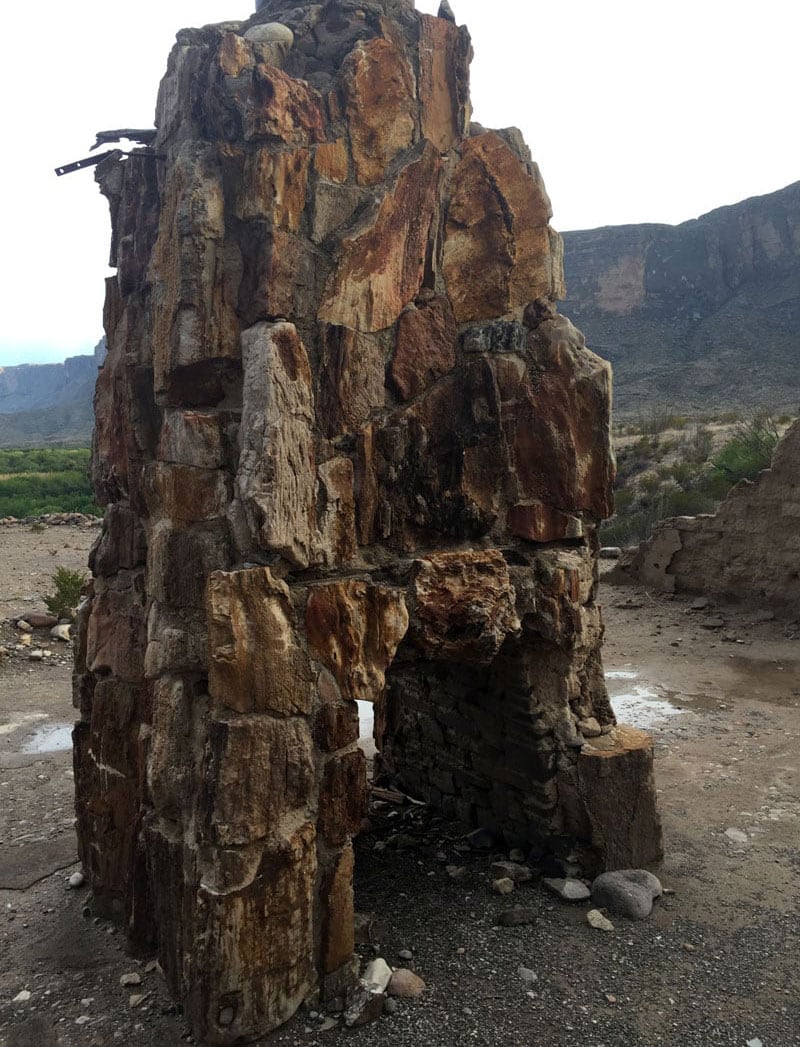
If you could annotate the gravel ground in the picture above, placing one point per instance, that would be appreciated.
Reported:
(716, 963)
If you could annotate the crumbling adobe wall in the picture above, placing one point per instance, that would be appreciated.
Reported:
(343, 438)
(748, 551)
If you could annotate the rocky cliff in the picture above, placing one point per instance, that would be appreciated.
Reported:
(348, 450)
(48, 403)
(698, 316)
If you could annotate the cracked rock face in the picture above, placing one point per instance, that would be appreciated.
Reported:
(349, 451)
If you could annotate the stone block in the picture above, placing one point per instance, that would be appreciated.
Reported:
(497, 250)
(380, 106)
(276, 478)
(258, 770)
(354, 630)
(381, 269)
(425, 347)
(338, 936)
(116, 631)
(255, 661)
(465, 606)
(342, 797)
(617, 787)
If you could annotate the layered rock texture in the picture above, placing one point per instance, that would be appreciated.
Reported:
(748, 551)
(348, 451)
(699, 315)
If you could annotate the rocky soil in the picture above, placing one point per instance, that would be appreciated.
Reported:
(715, 964)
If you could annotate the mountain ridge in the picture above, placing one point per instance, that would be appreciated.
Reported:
(43, 404)
(705, 314)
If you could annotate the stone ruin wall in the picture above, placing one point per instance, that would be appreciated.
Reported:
(348, 450)
(748, 551)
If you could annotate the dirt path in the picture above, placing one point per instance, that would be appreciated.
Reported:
(716, 964)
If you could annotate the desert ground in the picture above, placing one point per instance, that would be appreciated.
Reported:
(716, 964)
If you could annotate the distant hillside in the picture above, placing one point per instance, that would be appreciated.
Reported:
(44, 404)
(700, 316)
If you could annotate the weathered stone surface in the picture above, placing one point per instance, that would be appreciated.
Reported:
(615, 780)
(263, 975)
(747, 549)
(331, 161)
(426, 347)
(343, 796)
(498, 252)
(379, 102)
(444, 56)
(336, 511)
(255, 663)
(338, 933)
(381, 269)
(354, 629)
(194, 438)
(280, 761)
(116, 631)
(195, 326)
(352, 379)
(276, 479)
(278, 106)
(274, 187)
(349, 451)
(465, 606)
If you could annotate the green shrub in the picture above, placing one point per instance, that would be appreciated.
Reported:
(650, 483)
(46, 480)
(68, 585)
(745, 455)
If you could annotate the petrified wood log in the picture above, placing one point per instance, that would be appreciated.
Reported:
(348, 451)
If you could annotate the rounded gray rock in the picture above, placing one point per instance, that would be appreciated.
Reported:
(272, 42)
(629, 892)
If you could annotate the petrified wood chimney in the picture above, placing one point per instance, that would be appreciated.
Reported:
(348, 450)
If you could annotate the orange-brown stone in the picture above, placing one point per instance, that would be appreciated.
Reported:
(331, 160)
(497, 251)
(380, 107)
(338, 937)
(537, 522)
(426, 347)
(352, 378)
(281, 107)
(465, 606)
(354, 628)
(343, 796)
(255, 663)
(279, 757)
(381, 269)
(235, 55)
(274, 187)
(444, 56)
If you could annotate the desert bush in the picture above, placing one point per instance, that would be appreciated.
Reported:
(745, 455)
(657, 419)
(698, 445)
(67, 585)
(650, 483)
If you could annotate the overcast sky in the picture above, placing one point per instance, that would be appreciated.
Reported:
(636, 110)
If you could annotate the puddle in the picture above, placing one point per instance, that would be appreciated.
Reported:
(49, 738)
(21, 721)
(768, 680)
(637, 704)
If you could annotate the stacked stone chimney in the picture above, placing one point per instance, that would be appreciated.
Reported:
(348, 450)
